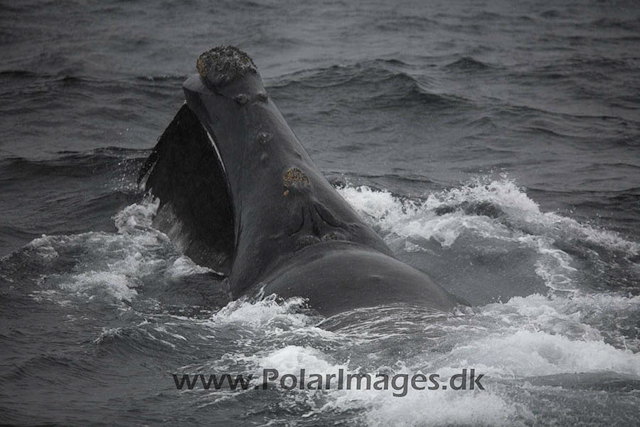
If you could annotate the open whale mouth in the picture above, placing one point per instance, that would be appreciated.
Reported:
(186, 171)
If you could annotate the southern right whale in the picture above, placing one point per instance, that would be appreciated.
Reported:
(242, 196)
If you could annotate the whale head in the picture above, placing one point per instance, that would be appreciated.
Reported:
(227, 80)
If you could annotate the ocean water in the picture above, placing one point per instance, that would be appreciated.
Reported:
(494, 145)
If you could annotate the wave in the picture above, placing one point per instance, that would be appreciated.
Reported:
(615, 23)
(70, 78)
(468, 64)
(69, 158)
(495, 221)
(379, 84)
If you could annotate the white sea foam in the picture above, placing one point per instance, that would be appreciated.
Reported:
(111, 266)
(513, 219)
(43, 248)
(137, 216)
(291, 359)
(384, 407)
(406, 218)
(445, 408)
(100, 283)
(262, 312)
(532, 353)
(529, 336)
(184, 266)
(580, 317)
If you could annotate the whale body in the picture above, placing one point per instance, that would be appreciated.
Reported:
(242, 196)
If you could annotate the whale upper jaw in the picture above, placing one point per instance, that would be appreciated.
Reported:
(215, 103)
(227, 80)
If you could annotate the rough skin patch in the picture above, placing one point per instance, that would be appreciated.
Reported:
(304, 241)
(295, 178)
(263, 137)
(223, 64)
(332, 236)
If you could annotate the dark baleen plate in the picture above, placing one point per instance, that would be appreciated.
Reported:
(186, 175)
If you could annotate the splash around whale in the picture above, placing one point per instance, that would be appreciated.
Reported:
(239, 194)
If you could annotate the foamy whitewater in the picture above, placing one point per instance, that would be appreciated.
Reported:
(566, 350)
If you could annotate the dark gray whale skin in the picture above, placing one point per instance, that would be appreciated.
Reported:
(241, 195)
